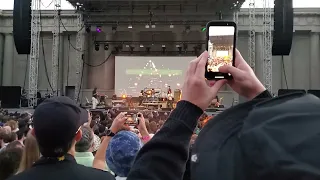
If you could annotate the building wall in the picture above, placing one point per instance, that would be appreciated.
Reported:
(302, 67)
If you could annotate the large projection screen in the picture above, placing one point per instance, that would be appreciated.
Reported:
(134, 73)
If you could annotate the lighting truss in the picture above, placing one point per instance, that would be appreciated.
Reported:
(55, 46)
(267, 45)
(252, 35)
(34, 53)
(79, 48)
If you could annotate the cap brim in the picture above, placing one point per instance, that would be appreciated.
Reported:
(83, 116)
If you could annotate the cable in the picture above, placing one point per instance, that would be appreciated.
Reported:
(43, 53)
(90, 65)
(81, 79)
(68, 67)
(26, 73)
(284, 72)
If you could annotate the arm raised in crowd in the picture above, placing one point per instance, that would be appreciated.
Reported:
(165, 155)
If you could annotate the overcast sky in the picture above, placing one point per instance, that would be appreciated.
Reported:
(8, 4)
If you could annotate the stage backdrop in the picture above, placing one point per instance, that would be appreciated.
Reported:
(134, 73)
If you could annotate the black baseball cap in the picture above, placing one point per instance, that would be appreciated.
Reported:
(56, 121)
(270, 139)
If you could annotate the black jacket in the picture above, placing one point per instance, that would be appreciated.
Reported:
(165, 156)
(52, 169)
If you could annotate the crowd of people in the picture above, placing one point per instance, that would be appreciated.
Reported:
(264, 138)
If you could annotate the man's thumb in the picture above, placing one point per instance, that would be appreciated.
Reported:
(235, 72)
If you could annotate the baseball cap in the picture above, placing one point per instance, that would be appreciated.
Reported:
(56, 121)
(121, 152)
(261, 139)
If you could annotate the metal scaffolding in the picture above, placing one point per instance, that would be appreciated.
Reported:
(79, 56)
(252, 35)
(236, 20)
(34, 53)
(267, 45)
(55, 47)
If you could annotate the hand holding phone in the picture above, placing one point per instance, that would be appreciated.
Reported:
(221, 38)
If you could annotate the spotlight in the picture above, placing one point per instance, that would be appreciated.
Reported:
(130, 26)
(131, 49)
(88, 29)
(163, 49)
(147, 26)
(171, 26)
(114, 29)
(106, 47)
(141, 45)
(148, 49)
(98, 29)
(180, 49)
(97, 46)
(185, 47)
(187, 30)
(153, 26)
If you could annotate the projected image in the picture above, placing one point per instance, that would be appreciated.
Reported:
(135, 74)
(220, 47)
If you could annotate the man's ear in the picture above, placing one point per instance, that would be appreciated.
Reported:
(78, 135)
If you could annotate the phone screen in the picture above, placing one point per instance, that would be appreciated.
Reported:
(221, 42)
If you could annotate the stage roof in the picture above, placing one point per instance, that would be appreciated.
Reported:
(200, 6)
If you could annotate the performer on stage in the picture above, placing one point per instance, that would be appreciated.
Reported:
(95, 101)
(170, 98)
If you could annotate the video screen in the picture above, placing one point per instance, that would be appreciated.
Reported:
(220, 47)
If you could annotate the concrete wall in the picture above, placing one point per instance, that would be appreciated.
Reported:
(302, 67)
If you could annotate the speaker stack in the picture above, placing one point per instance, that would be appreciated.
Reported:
(283, 27)
(22, 26)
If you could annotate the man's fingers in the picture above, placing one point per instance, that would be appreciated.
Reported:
(217, 86)
(232, 70)
(193, 66)
(238, 58)
(202, 64)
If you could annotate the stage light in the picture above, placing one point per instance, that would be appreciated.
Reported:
(131, 49)
(141, 45)
(185, 47)
(163, 49)
(88, 29)
(147, 26)
(171, 26)
(106, 47)
(98, 29)
(124, 96)
(97, 46)
(187, 30)
(130, 26)
(203, 29)
(153, 26)
(148, 49)
(114, 29)
(180, 49)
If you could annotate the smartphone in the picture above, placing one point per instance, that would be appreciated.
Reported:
(221, 47)
(132, 119)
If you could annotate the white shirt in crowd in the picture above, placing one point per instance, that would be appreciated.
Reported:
(121, 178)
(95, 102)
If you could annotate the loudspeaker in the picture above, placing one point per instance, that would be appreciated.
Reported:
(10, 96)
(70, 91)
(290, 91)
(283, 27)
(314, 92)
(22, 26)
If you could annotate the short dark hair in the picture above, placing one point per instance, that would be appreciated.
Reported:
(9, 159)
(14, 144)
(86, 140)
(21, 133)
